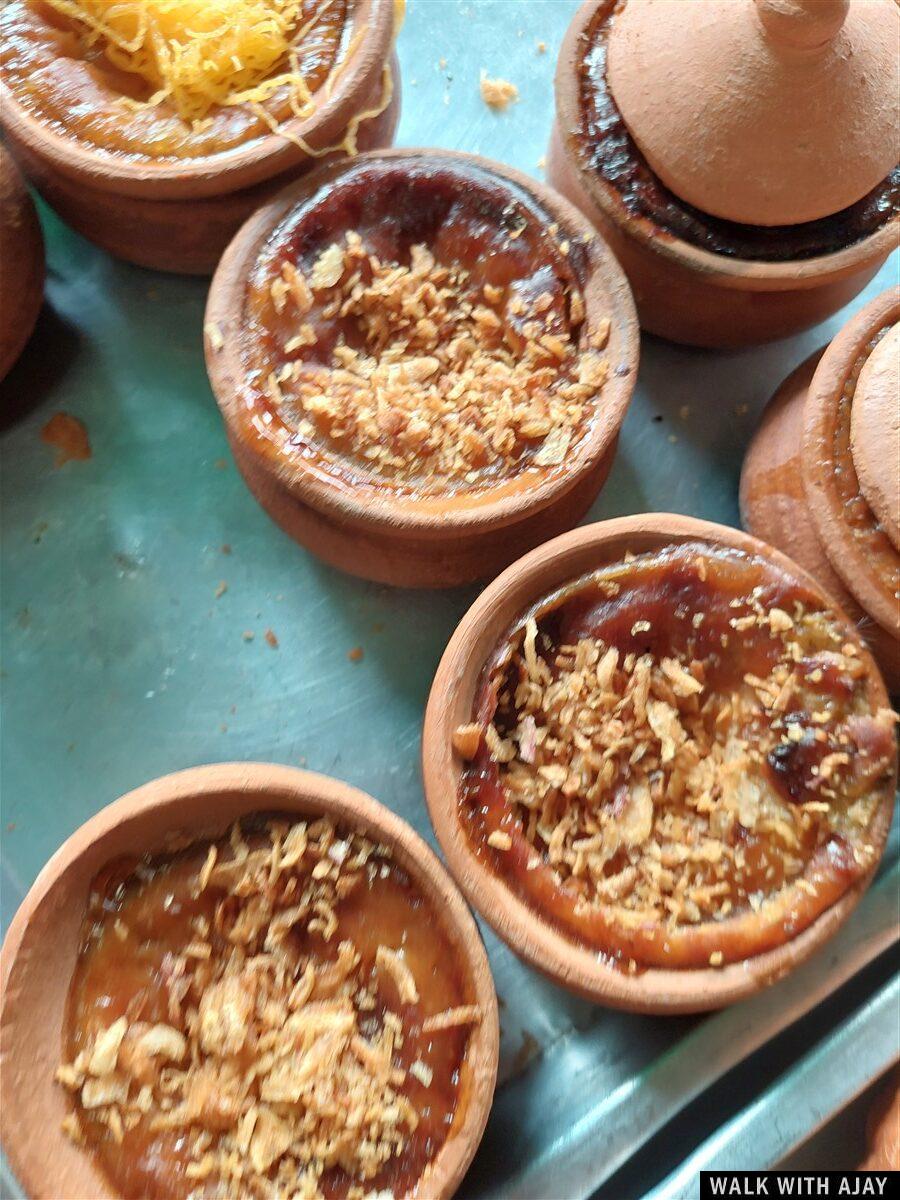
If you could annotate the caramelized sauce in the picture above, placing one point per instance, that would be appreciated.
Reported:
(689, 605)
(142, 915)
(55, 73)
(608, 148)
(464, 216)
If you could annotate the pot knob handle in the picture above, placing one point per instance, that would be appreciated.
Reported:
(802, 24)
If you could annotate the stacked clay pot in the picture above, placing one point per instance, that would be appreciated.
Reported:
(821, 479)
(740, 158)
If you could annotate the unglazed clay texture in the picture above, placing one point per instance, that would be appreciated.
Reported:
(759, 117)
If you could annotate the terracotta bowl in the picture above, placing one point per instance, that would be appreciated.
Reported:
(540, 943)
(40, 949)
(788, 495)
(379, 532)
(685, 293)
(179, 215)
(22, 258)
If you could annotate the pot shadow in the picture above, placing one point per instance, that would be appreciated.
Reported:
(714, 399)
(46, 358)
(403, 631)
(623, 493)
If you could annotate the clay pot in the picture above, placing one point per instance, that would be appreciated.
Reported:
(22, 258)
(41, 947)
(578, 968)
(758, 111)
(180, 215)
(406, 539)
(789, 494)
(684, 292)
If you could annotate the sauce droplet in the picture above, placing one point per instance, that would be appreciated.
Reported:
(68, 436)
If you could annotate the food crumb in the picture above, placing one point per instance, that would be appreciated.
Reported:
(498, 93)
(499, 840)
(684, 412)
(221, 589)
(10, 826)
(466, 740)
(356, 654)
(69, 438)
(716, 958)
(542, 47)
(742, 409)
(248, 635)
(221, 464)
(673, 438)
(542, 163)
(270, 637)
(226, 548)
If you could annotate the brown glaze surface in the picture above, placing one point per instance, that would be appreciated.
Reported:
(41, 952)
(139, 920)
(69, 84)
(709, 612)
(469, 222)
(610, 151)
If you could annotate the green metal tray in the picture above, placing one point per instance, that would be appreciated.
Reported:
(120, 662)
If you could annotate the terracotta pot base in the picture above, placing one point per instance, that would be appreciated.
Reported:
(415, 562)
(717, 310)
(185, 237)
(774, 507)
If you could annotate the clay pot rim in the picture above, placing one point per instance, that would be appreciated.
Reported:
(432, 516)
(229, 170)
(521, 926)
(25, 262)
(746, 274)
(290, 790)
(845, 554)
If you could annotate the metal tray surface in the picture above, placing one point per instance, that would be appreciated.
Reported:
(120, 662)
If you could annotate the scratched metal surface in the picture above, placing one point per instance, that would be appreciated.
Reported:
(120, 662)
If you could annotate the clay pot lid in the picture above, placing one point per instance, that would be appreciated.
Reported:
(875, 432)
(40, 949)
(559, 955)
(859, 546)
(765, 112)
